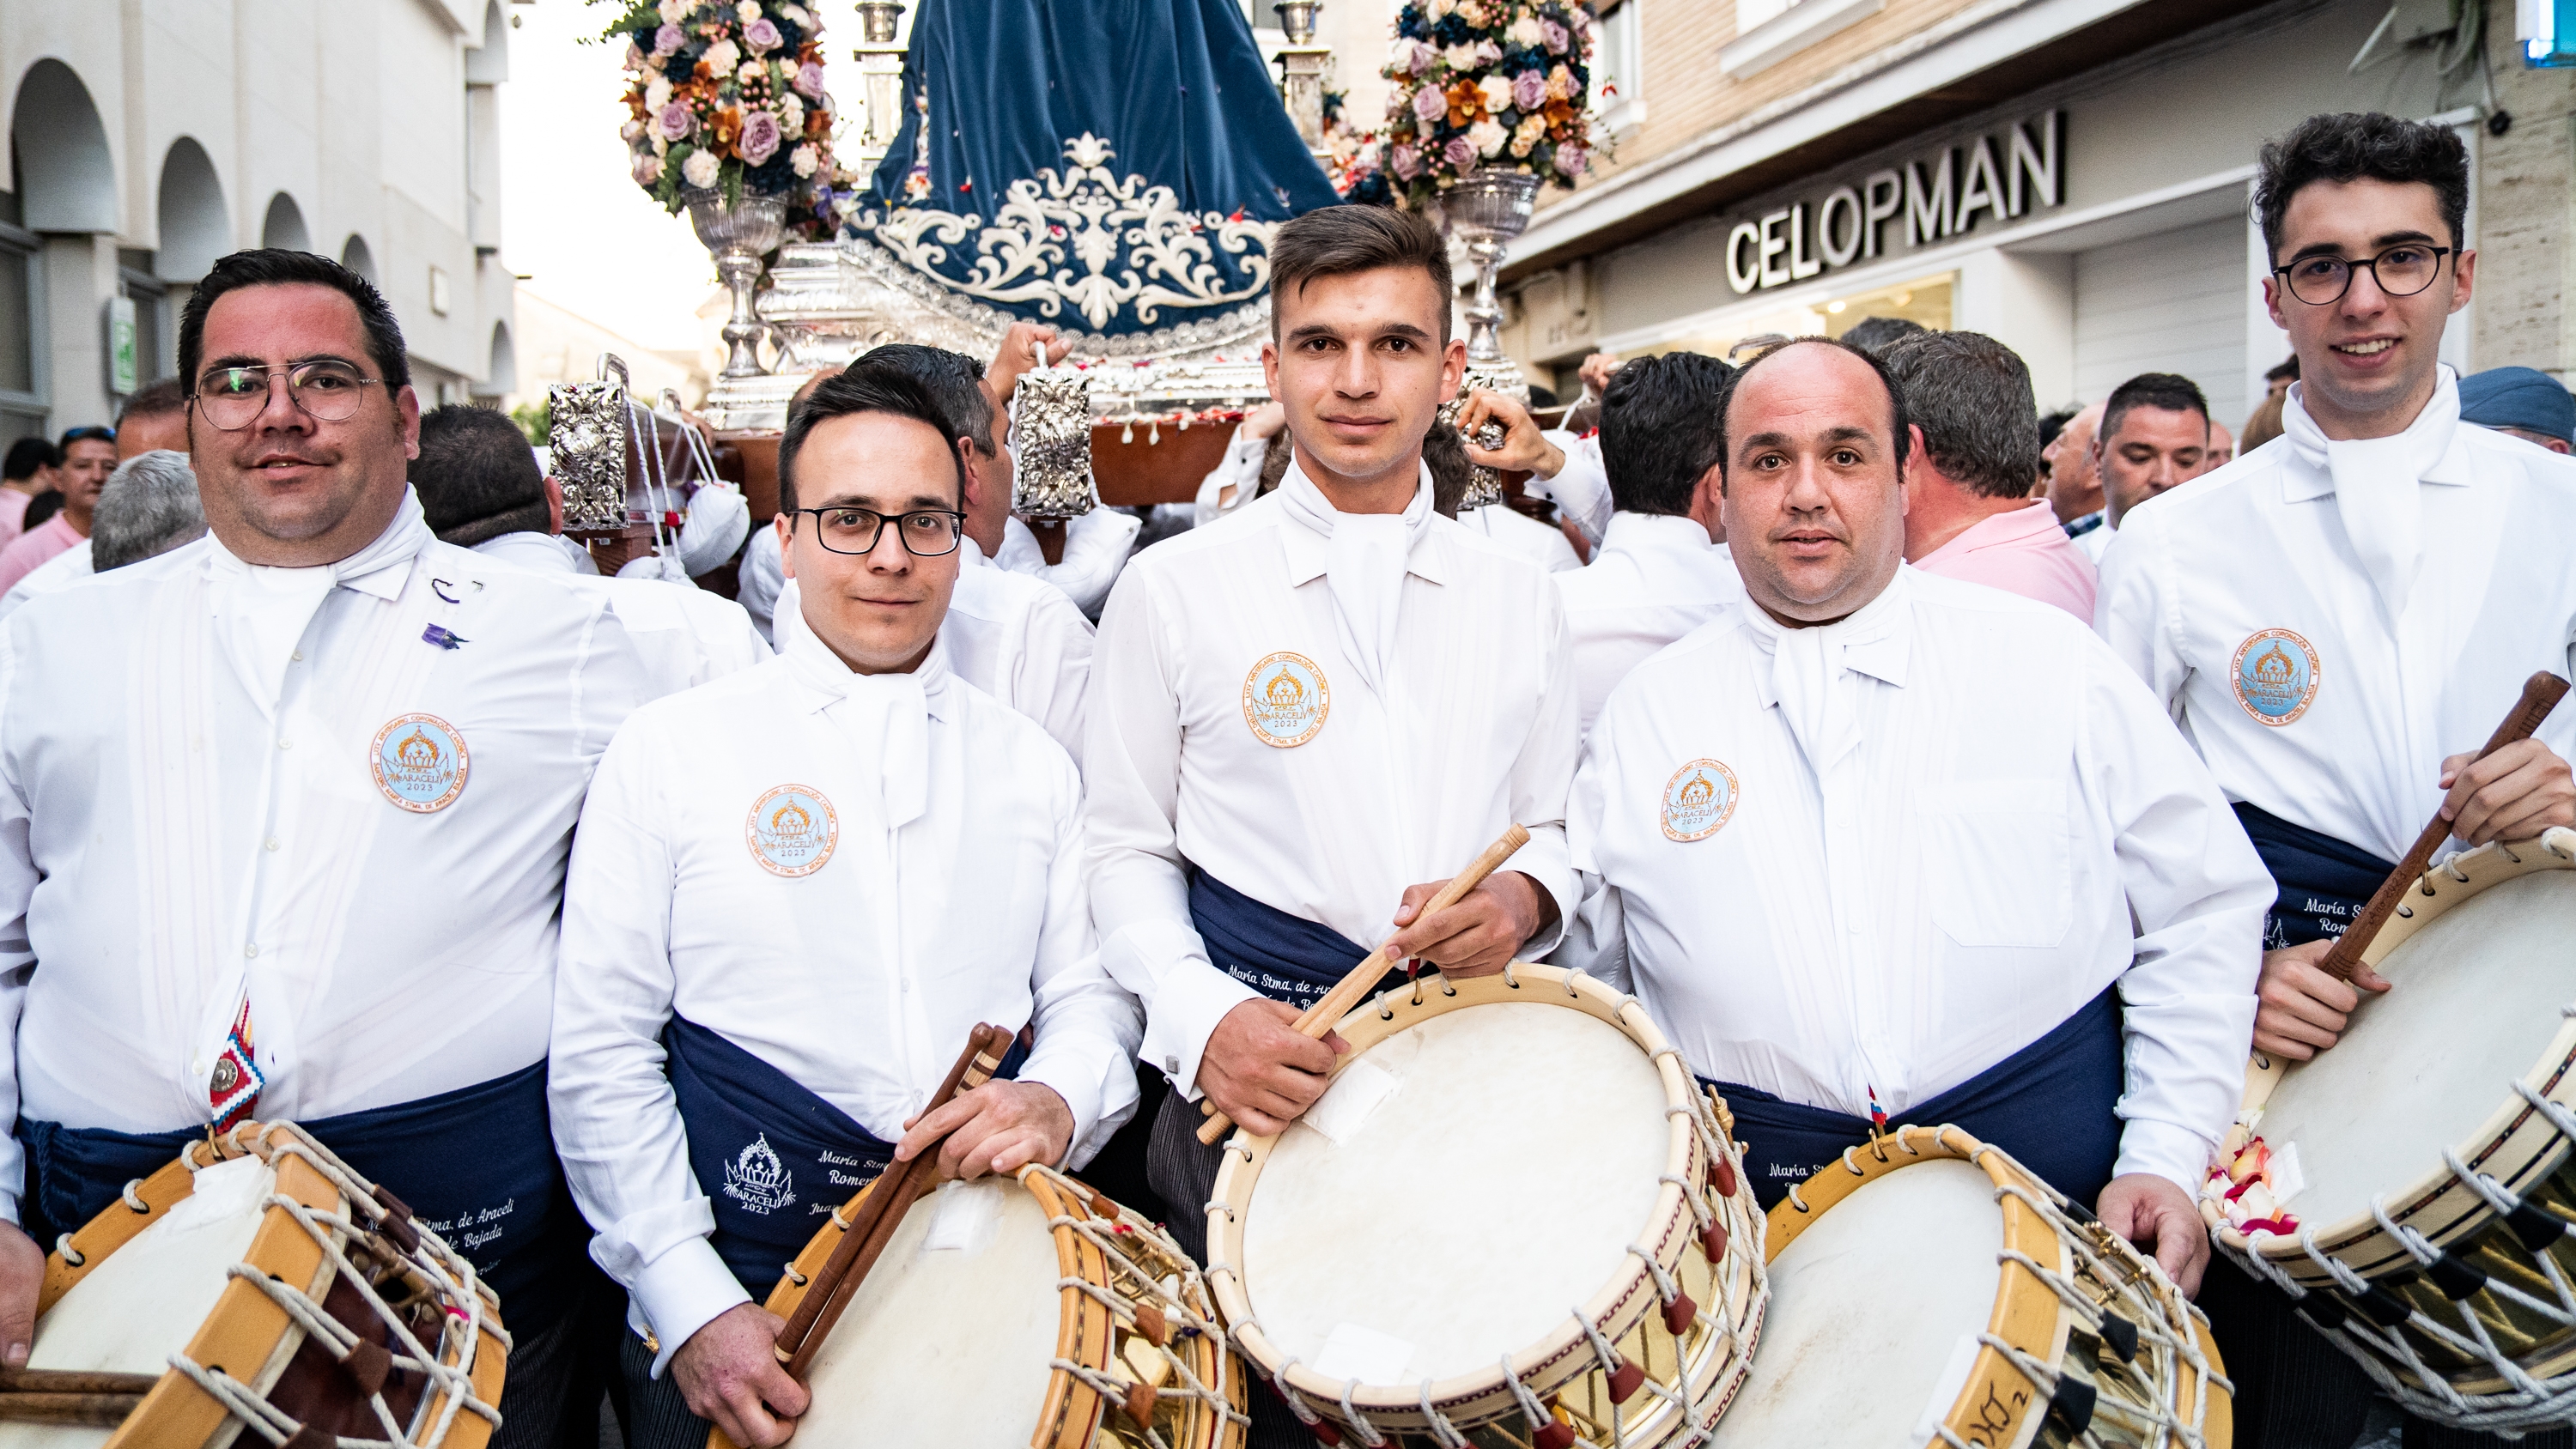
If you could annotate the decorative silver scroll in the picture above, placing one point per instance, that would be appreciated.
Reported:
(1051, 415)
(586, 434)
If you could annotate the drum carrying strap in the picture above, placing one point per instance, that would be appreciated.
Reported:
(2051, 1105)
(476, 1165)
(1284, 957)
(773, 1158)
(2323, 883)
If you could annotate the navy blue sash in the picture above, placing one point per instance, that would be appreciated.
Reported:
(2051, 1105)
(1284, 957)
(476, 1165)
(773, 1158)
(2323, 882)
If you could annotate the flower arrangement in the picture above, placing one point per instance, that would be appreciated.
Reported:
(1355, 160)
(1488, 84)
(727, 95)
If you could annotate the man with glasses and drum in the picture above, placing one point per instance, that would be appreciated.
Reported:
(771, 954)
(283, 821)
(1884, 842)
(2337, 622)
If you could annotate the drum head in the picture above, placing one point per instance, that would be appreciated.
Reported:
(2476, 1002)
(1491, 1191)
(946, 1345)
(1870, 1306)
(146, 1300)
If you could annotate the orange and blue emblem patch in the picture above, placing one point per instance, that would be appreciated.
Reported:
(792, 831)
(420, 763)
(1285, 700)
(2275, 675)
(1698, 801)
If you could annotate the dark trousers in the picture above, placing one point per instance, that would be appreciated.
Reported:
(537, 1390)
(656, 1413)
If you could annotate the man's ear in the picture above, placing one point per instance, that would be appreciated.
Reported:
(970, 458)
(554, 505)
(785, 526)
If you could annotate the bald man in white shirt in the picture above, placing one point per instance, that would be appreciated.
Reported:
(1844, 866)
(913, 845)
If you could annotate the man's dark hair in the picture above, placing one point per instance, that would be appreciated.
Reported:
(865, 386)
(1336, 241)
(954, 381)
(1971, 397)
(1660, 431)
(276, 267)
(2053, 423)
(1897, 415)
(1870, 334)
(2170, 391)
(2356, 144)
(2289, 369)
(477, 477)
(155, 400)
(40, 509)
(28, 456)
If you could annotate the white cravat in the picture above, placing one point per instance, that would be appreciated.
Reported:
(887, 717)
(263, 611)
(1364, 568)
(2378, 490)
(1810, 673)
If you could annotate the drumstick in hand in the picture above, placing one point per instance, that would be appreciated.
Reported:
(1348, 992)
(2540, 694)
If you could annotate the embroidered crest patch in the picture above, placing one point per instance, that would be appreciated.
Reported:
(1698, 801)
(420, 763)
(2275, 676)
(758, 1180)
(1285, 700)
(791, 831)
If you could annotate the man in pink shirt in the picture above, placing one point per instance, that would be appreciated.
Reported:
(89, 455)
(1969, 513)
(34, 466)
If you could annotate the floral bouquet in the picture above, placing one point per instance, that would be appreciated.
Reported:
(1488, 84)
(729, 97)
(1356, 160)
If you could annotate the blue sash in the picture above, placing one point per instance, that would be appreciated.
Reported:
(1284, 957)
(476, 1165)
(773, 1158)
(2323, 882)
(2051, 1105)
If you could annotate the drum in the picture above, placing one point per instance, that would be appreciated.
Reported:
(2406, 1187)
(261, 1282)
(1513, 1214)
(1034, 1314)
(1927, 1289)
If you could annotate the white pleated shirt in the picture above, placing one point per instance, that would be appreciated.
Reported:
(2325, 677)
(2003, 825)
(1475, 733)
(1655, 578)
(190, 806)
(952, 896)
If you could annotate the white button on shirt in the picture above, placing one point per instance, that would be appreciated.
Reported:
(1656, 578)
(952, 897)
(2267, 544)
(1475, 732)
(188, 809)
(1996, 801)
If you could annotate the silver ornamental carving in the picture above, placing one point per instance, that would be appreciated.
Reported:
(1051, 416)
(586, 435)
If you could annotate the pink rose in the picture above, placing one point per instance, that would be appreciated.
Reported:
(1421, 56)
(760, 137)
(634, 56)
(809, 79)
(1406, 161)
(648, 168)
(677, 121)
(1460, 153)
(668, 39)
(1570, 160)
(762, 36)
(1529, 90)
(1557, 39)
(1429, 105)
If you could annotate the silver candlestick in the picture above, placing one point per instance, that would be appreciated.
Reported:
(1485, 211)
(739, 236)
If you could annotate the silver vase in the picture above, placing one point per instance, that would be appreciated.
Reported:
(739, 236)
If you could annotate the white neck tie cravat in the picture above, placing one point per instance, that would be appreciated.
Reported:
(887, 717)
(2378, 490)
(1811, 677)
(262, 612)
(1364, 568)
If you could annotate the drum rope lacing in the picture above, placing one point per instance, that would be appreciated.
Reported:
(447, 1275)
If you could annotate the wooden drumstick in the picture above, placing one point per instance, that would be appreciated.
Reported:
(88, 1411)
(2540, 694)
(879, 1216)
(74, 1381)
(1347, 994)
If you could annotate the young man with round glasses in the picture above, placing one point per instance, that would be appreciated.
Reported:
(771, 955)
(2337, 620)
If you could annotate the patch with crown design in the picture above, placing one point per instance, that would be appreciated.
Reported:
(791, 831)
(1698, 801)
(2275, 676)
(420, 763)
(1285, 700)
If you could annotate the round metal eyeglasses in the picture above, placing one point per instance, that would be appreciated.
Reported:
(327, 389)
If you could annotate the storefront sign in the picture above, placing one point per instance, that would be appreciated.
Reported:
(1991, 178)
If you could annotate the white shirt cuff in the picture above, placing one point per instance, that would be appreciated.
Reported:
(682, 1291)
(1193, 997)
(2175, 1153)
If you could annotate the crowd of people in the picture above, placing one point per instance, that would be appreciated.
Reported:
(1894, 744)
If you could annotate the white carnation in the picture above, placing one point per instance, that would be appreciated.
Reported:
(749, 10)
(672, 10)
(752, 71)
(791, 114)
(700, 169)
(722, 57)
(803, 159)
(657, 95)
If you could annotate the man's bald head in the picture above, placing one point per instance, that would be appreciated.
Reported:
(1813, 479)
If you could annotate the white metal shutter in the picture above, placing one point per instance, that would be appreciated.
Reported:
(2172, 302)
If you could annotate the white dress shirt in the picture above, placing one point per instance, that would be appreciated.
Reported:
(1655, 578)
(758, 579)
(1240, 470)
(686, 635)
(952, 896)
(1998, 803)
(191, 806)
(50, 577)
(1095, 549)
(2094, 542)
(1543, 544)
(2412, 583)
(1016, 638)
(1475, 731)
(1581, 489)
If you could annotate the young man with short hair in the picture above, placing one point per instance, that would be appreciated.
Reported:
(773, 953)
(2337, 621)
(2155, 436)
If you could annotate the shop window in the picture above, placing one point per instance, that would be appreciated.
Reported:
(22, 393)
(1619, 68)
(1926, 300)
(1770, 31)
